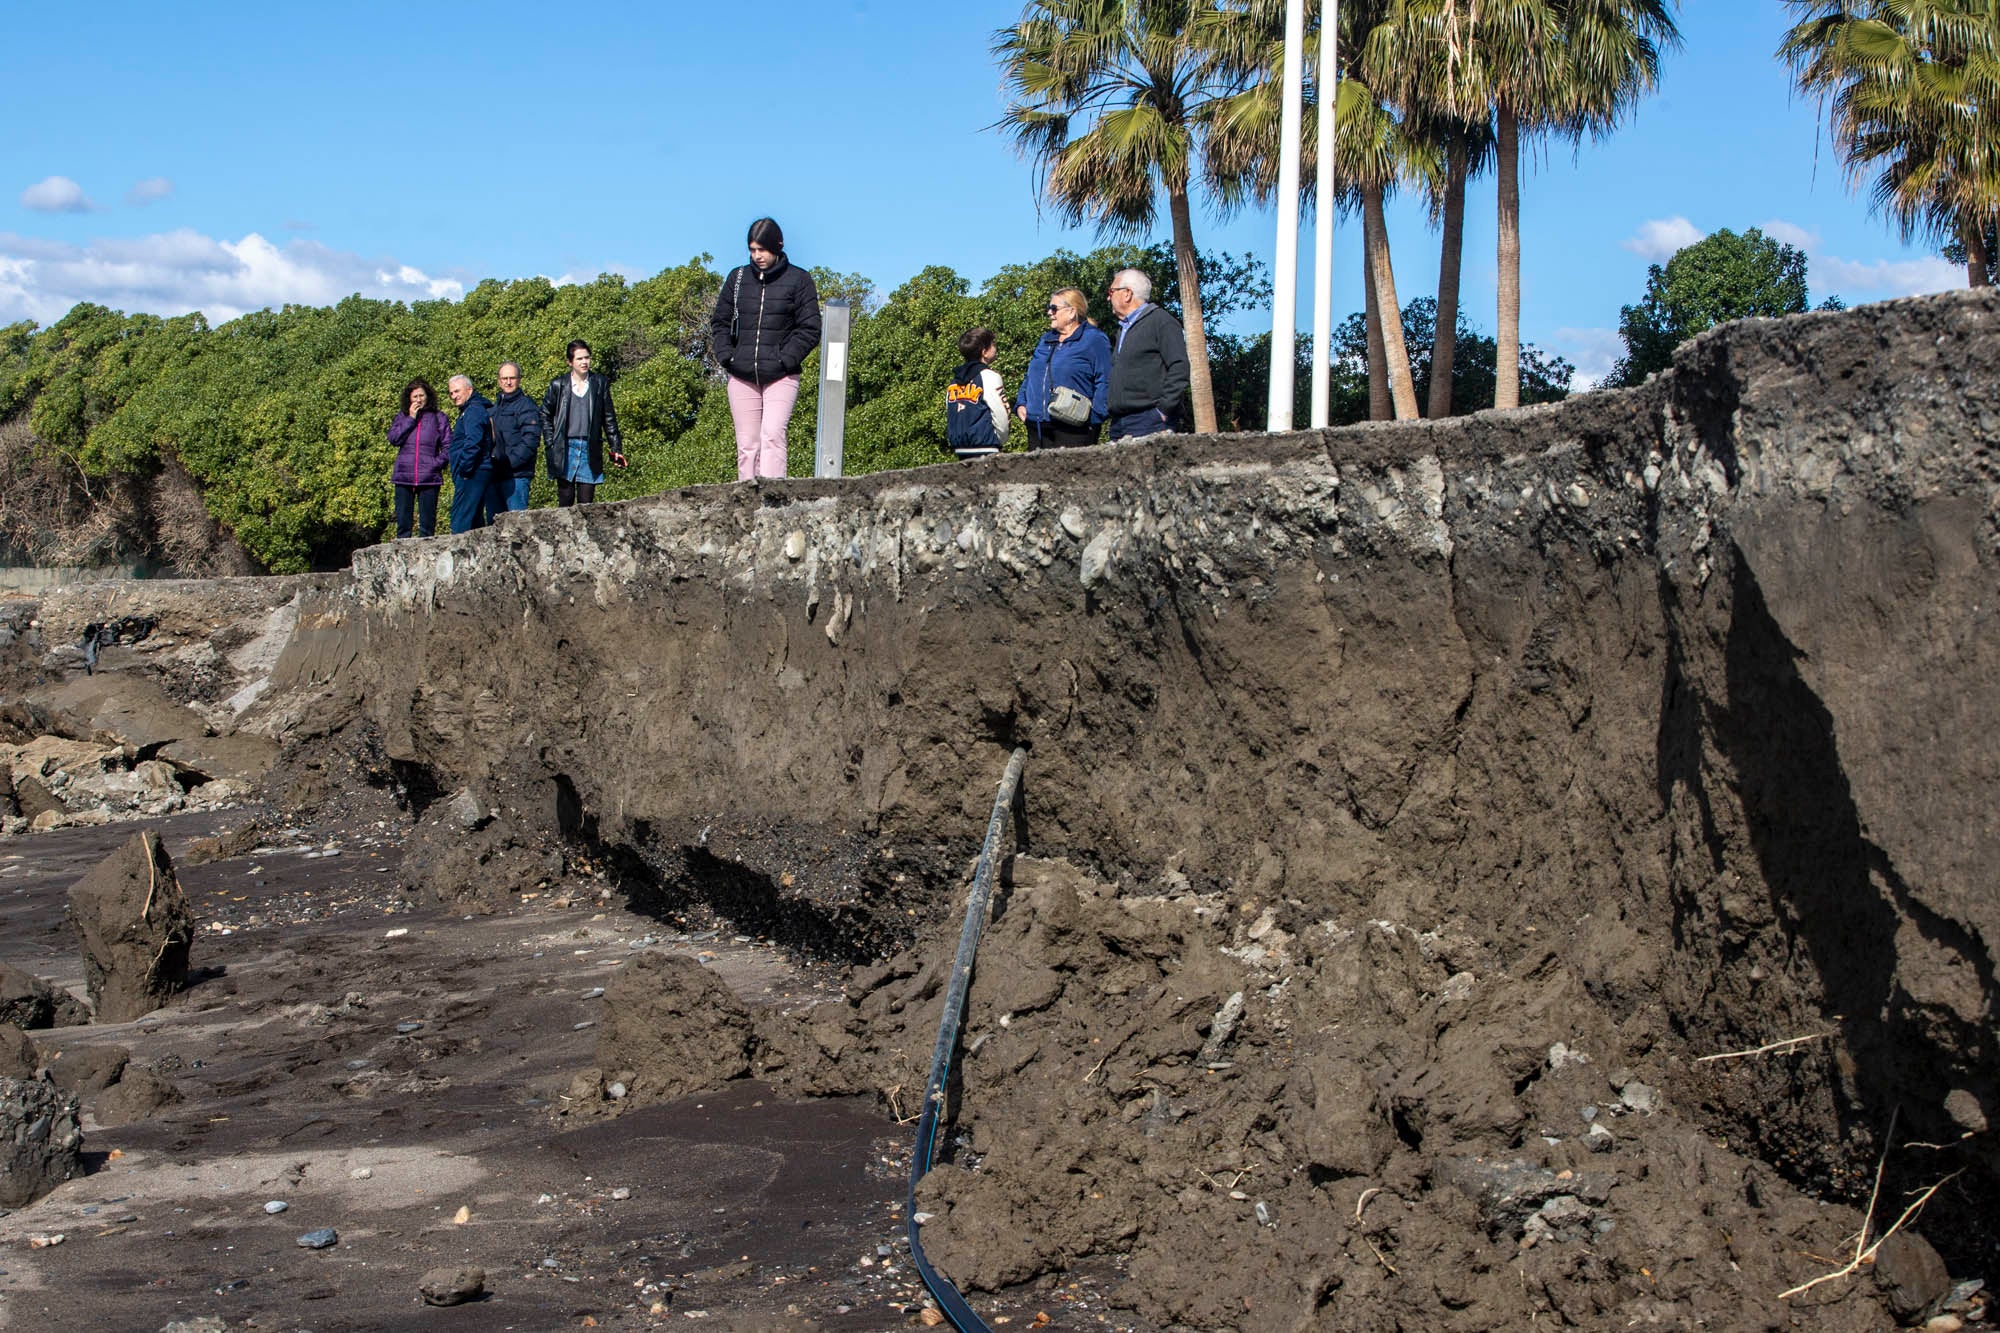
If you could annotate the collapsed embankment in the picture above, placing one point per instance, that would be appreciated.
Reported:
(1658, 724)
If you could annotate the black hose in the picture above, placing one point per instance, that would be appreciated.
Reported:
(924, 1156)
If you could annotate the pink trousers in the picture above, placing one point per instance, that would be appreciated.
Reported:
(761, 416)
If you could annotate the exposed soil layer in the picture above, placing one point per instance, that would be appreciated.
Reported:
(1510, 769)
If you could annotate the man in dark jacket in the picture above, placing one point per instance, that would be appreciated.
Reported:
(1149, 362)
(517, 438)
(471, 456)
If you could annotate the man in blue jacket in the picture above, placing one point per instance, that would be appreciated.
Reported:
(471, 456)
(517, 442)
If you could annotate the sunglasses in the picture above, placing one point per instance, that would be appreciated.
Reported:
(1053, 308)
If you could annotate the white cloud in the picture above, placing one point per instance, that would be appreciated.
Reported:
(1594, 352)
(150, 190)
(1874, 279)
(172, 273)
(56, 194)
(1790, 233)
(578, 277)
(1887, 277)
(1659, 239)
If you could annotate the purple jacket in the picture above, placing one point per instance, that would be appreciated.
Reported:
(420, 448)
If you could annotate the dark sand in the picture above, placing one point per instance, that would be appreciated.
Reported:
(763, 1213)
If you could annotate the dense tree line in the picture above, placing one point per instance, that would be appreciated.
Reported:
(276, 420)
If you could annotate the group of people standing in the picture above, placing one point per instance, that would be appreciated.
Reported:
(766, 322)
(490, 449)
(1079, 383)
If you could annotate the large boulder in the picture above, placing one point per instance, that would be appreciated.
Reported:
(27, 1001)
(134, 928)
(39, 1139)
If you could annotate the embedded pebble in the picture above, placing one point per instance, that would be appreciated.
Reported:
(1639, 1098)
(276, 1206)
(320, 1239)
(360, 1173)
(621, 1193)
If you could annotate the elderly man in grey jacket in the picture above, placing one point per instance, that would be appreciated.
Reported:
(1149, 363)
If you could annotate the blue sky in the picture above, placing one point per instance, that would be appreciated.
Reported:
(231, 156)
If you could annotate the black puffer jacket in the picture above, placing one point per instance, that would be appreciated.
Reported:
(517, 426)
(766, 320)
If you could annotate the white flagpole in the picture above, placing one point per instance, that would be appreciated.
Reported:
(1285, 298)
(1329, 74)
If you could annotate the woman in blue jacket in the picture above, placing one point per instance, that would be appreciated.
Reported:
(1071, 367)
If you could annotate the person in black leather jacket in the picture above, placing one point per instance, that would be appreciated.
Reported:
(517, 432)
(580, 429)
(766, 321)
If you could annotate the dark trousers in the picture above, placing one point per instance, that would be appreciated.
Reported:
(1149, 422)
(571, 493)
(424, 500)
(1056, 435)
(472, 500)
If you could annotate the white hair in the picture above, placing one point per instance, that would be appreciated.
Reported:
(466, 380)
(1141, 285)
(514, 366)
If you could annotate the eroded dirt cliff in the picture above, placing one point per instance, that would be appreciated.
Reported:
(1503, 765)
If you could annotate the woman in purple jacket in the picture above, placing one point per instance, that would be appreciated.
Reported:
(421, 434)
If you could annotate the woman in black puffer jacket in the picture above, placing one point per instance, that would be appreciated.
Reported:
(766, 321)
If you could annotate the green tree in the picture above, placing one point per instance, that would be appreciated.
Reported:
(1114, 100)
(1721, 277)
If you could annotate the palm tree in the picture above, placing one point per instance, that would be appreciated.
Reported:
(1914, 90)
(1374, 151)
(1412, 53)
(1564, 67)
(1111, 99)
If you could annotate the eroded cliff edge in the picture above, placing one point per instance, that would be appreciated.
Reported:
(1688, 690)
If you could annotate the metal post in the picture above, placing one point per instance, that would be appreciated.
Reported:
(1285, 298)
(1329, 90)
(829, 444)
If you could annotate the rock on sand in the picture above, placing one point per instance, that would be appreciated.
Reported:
(133, 925)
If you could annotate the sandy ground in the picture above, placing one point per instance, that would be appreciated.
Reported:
(304, 1081)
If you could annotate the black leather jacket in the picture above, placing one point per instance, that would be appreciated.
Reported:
(766, 321)
(603, 425)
